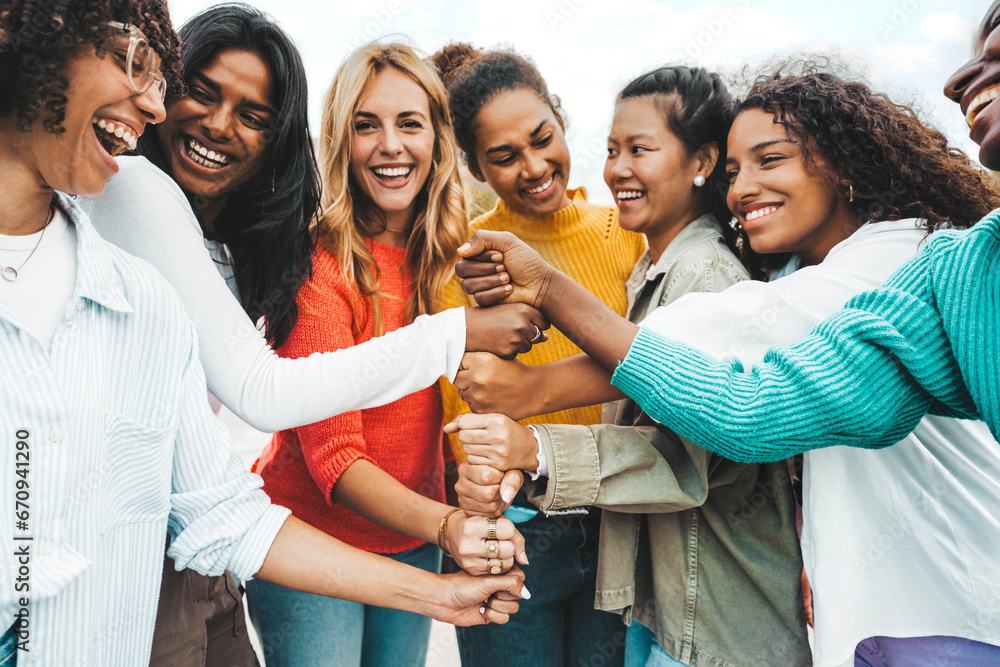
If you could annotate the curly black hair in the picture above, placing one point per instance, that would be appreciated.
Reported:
(894, 164)
(39, 37)
(474, 79)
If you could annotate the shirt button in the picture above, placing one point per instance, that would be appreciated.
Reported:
(47, 547)
(80, 305)
(56, 435)
(805, 544)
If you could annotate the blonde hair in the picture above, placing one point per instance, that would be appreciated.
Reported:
(348, 216)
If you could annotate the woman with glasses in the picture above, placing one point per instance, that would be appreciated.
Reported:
(105, 429)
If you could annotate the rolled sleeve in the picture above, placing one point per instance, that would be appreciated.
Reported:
(574, 468)
(219, 517)
(640, 469)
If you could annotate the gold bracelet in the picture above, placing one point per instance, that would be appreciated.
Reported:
(443, 530)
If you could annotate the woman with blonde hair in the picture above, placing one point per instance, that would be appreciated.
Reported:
(393, 212)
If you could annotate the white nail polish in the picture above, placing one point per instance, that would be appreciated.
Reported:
(524, 592)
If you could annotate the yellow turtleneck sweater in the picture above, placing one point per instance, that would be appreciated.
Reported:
(583, 241)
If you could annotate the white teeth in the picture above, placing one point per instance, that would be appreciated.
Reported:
(122, 133)
(629, 194)
(761, 212)
(390, 172)
(203, 156)
(980, 101)
(541, 188)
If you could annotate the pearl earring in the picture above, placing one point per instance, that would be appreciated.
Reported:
(699, 181)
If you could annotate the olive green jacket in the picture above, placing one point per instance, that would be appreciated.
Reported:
(701, 550)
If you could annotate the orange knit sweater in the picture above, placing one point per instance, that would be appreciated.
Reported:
(300, 466)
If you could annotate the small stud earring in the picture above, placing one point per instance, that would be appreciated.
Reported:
(699, 181)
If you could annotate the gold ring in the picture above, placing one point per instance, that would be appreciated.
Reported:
(494, 569)
(492, 548)
(491, 530)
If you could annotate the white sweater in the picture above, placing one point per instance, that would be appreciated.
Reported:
(146, 214)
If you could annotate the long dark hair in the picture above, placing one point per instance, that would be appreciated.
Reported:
(697, 109)
(265, 223)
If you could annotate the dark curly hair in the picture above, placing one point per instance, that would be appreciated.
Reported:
(265, 223)
(474, 79)
(39, 37)
(895, 165)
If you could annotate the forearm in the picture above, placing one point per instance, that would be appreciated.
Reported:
(575, 382)
(379, 497)
(309, 560)
(833, 387)
(603, 334)
(641, 469)
(268, 392)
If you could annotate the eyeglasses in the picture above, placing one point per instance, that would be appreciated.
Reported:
(138, 59)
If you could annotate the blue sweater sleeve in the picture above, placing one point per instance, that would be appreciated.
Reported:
(863, 378)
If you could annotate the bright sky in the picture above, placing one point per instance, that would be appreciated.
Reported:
(587, 50)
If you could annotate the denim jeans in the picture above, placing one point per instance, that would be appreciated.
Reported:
(558, 625)
(8, 646)
(925, 652)
(642, 649)
(304, 630)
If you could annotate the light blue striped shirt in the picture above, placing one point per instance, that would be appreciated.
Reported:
(121, 448)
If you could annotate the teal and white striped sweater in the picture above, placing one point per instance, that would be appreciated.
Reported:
(927, 341)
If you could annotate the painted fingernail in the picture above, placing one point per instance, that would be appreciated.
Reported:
(524, 593)
(507, 494)
(482, 610)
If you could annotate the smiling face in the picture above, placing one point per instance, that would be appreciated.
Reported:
(651, 174)
(784, 204)
(392, 147)
(104, 117)
(521, 153)
(215, 138)
(977, 84)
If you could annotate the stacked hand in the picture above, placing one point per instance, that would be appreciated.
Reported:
(500, 268)
(482, 545)
(498, 449)
(469, 600)
(505, 330)
(490, 384)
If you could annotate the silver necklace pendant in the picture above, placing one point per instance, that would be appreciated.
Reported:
(9, 274)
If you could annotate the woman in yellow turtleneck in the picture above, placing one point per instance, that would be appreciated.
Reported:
(511, 131)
